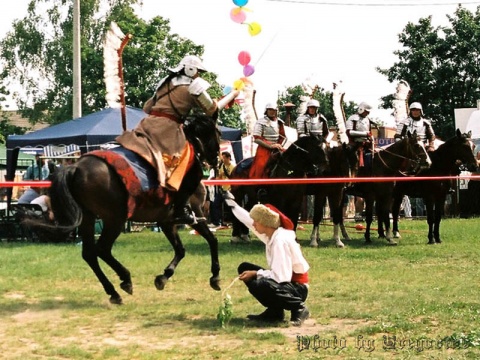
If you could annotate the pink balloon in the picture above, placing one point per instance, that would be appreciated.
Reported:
(238, 15)
(244, 58)
(248, 70)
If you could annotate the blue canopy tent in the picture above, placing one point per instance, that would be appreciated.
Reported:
(89, 132)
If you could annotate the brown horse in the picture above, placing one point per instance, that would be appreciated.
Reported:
(446, 161)
(398, 159)
(92, 188)
(307, 155)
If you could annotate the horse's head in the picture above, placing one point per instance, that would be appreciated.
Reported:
(202, 132)
(308, 155)
(457, 152)
(410, 153)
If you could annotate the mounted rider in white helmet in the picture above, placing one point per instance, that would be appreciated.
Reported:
(159, 137)
(416, 122)
(269, 135)
(312, 123)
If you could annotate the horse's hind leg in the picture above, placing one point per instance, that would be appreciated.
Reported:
(171, 233)
(90, 255)
(111, 230)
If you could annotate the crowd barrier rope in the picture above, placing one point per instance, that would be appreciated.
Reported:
(325, 180)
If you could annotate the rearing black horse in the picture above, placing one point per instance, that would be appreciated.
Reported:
(305, 156)
(92, 188)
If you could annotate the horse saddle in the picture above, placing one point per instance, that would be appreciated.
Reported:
(139, 177)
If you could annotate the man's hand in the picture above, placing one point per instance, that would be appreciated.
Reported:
(248, 275)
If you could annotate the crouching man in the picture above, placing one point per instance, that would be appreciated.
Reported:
(284, 286)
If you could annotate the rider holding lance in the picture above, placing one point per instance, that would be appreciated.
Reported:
(416, 122)
(269, 134)
(159, 137)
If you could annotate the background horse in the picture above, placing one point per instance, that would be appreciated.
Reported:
(446, 161)
(398, 159)
(342, 161)
(92, 188)
(305, 156)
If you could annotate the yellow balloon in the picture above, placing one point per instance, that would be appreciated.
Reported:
(254, 28)
(238, 84)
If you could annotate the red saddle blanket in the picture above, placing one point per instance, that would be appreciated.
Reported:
(138, 196)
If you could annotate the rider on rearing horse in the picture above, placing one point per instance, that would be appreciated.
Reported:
(269, 134)
(159, 137)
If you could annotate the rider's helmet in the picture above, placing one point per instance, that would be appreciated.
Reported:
(418, 106)
(190, 64)
(364, 107)
(270, 105)
(313, 102)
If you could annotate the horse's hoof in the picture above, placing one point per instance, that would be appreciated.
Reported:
(245, 238)
(160, 282)
(116, 300)
(340, 245)
(392, 243)
(215, 283)
(314, 243)
(438, 241)
(396, 235)
(127, 287)
(431, 243)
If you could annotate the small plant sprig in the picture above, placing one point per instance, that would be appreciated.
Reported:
(225, 310)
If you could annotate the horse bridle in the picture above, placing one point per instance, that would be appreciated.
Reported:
(409, 160)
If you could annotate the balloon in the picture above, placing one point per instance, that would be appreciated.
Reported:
(240, 2)
(238, 84)
(227, 90)
(248, 70)
(238, 15)
(254, 28)
(244, 58)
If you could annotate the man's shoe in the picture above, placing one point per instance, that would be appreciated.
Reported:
(299, 316)
(269, 315)
(184, 216)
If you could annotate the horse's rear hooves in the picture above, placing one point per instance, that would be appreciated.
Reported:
(127, 287)
(314, 244)
(160, 282)
(215, 283)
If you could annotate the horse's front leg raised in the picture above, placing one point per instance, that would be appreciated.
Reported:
(212, 241)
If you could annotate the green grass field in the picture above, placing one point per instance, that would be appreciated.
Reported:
(411, 301)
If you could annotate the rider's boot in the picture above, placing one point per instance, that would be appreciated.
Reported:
(182, 214)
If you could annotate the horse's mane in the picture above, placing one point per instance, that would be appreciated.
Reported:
(201, 131)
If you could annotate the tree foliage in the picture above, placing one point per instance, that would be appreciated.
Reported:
(38, 54)
(442, 65)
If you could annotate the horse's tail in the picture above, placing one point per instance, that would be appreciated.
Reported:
(67, 212)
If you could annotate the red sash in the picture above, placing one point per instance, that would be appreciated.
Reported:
(300, 278)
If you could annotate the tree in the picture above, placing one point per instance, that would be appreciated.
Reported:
(38, 53)
(442, 65)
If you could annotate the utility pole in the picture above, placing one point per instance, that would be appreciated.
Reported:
(77, 65)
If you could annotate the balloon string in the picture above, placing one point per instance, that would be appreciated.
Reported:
(266, 48)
